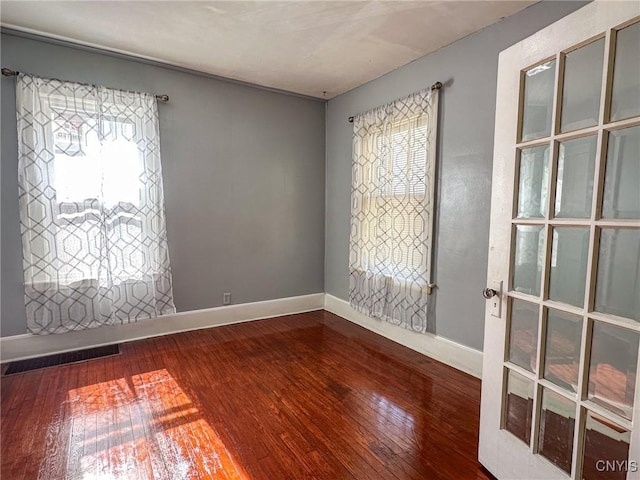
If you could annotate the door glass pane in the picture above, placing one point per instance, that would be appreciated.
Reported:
(582, 86)
(519, 405)
(528, 259)
(606, 448)
(562, 352)
(523, 334)
(569, 253)
(574, 187)
(538, 101)
(625, 99)
(612, 369)
(622, 175)
(618, 279)
(557, 421)
(534, 177)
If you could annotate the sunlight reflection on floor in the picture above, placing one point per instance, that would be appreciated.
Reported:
(144, 426)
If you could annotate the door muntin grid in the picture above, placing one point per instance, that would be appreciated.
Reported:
(538, 214)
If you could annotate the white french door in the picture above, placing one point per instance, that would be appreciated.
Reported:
(560, 389)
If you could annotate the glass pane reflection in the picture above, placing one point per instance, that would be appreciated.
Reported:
(574, 186)
(605, 442)
(519, 405)
(613, 368)
(618, 278)
(534, 178)
(538, 101)
(625, 99)
(622, 175)
(569, 255)
(523, 334)
(528, 259)
(562, 351)
(557, 421)
(582, 86)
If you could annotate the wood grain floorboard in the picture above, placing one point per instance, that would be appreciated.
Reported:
(308, 396)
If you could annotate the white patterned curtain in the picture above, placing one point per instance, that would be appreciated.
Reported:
(91, 206)
(391, 210)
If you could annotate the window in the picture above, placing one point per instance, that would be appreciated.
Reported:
(392, 208)
(401, 199)
(91, 206)
(95, 180)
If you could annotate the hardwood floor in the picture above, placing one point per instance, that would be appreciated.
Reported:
(307, 396)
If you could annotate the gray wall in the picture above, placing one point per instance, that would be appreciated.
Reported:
(243, 176)
(468, 68)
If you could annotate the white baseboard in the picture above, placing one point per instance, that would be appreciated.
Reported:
(20, 347)
(446, 351)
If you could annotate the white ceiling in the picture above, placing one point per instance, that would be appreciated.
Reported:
(307, 47)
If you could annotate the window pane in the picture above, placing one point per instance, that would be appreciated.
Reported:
(562, 352)
(523, 334)
(582, 86)
(534, 177)
(94, 179)
(538, 101)
(622, 175)
(76, 156)
(528, 259)
(612, 369)
(404, 159)
(618, 279)
(574, 187)
(625, 100)
(557, 421)
(390, 190)
(606, 449)
(519, 406)
(569, 254)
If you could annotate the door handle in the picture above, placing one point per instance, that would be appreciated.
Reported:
(489, 293)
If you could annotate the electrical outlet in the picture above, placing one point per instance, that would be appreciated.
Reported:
(226, 298)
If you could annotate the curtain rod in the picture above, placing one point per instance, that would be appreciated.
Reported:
(7, 72)
(435, 86)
